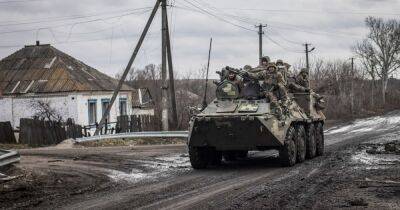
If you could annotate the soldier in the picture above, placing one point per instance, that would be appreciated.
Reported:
(302, 78)
(274, 82)
(300, 83)
(279, 63)
(265, 61)
(283, 68)
(235, 79)
(274, 87)
(247, 68)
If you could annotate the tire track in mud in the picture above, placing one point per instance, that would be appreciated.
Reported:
(220, 194)
(147, 193)
(189, 198)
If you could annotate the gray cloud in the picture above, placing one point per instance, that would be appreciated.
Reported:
(332, 26)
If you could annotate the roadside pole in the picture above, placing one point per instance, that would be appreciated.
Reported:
(164, 85)
(128, 67)
(260, 40)
(172, 100)
(307, 60)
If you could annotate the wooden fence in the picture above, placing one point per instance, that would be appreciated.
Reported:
(6, 133)
(135, 123)
(40, 133)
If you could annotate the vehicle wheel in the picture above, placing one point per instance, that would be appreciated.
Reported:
(242, 154)
(198, 157)
(311, 146)
(229, 156)
(288, 152)
(319, 138)
(301, 143)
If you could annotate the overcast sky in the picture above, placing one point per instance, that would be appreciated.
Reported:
(103, 33)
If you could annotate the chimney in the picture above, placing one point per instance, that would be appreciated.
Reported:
(37, 43)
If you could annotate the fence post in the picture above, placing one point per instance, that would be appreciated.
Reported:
(106, 126)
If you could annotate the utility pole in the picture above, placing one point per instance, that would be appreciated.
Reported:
(128, 67)
(307, 60)
(172, 101)
(260, 34)
(164, 85)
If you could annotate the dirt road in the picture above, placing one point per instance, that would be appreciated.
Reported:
(154, 177)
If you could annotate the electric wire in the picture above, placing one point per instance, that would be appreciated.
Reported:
(70, 17)
(73, 24)
(217, 17)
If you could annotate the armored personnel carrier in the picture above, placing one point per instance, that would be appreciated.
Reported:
(241, 120)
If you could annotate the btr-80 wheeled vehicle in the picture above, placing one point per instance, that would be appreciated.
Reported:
(240, 120)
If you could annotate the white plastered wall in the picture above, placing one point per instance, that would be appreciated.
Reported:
(69, 105)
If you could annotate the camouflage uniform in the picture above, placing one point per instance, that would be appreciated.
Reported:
(300, 83)
(274, 83)
(265, 61)
(274, 86)
(236, 80)
(283, 68)
(247, 68)
(302, 78)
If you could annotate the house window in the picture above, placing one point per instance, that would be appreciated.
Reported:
(104, 104)
(122, 106)
(92, 110)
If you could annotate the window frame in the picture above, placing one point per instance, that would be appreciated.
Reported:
(92, 101)
(123, 100)
(103, 109)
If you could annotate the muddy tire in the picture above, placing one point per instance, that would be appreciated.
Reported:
(319, 138)
(301, 143)
(199, 158)
(288, 152)
(311, 145)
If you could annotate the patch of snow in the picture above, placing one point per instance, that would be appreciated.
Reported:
(375, 160)
(134, 176)
(339, 129)
(361, 130)
(158, 168)
(369, 124)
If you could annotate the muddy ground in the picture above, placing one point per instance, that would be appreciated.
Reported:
(358, 170)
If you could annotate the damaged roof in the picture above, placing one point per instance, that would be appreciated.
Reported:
(45, 69)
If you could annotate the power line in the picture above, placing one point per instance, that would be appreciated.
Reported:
(201, 10)
(284, 38)
(70, 17)
(72, 24)
(281, 46)
(253, 21)
(351, 12)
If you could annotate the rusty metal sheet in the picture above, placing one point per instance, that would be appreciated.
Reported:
(52, 71)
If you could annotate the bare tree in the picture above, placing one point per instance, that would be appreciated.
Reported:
(44, 111)
(380, 51)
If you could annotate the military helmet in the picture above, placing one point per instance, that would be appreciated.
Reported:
(271, 65)
(265, 59)
(279, 61)
(303, 70)
(247, 67)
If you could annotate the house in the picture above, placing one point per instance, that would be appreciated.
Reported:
(70, 87)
